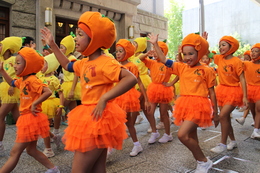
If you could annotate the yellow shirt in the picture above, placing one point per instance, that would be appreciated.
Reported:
(68, 76)
(143, 70)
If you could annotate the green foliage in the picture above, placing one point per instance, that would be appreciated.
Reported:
(174, 15)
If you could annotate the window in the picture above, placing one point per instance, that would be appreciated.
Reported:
(4, 22)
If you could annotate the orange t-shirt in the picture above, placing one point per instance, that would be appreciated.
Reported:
(158, 71)
(252, 73)
(30, 90)
(194, 80)
(229, 70)
(96, 77)
(132, 68)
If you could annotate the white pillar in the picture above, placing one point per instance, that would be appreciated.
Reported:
(201, 17)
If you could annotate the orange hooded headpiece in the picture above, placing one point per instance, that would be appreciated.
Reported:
(257, 45)
(128, 47)
(248, 52)
(101, 30)
(200, 44)
(33, 61)
(233, 43)
(163, 47)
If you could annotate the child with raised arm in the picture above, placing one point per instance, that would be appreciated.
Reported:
(129, 101)
(231, 91)
(192, 108)
(31, 124)
(98, 123)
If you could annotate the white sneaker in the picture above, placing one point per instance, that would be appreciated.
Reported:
(160, 125)
(219, 148)
(149, 130)
(139, 119)
(166, 138)
(136, 150)
(48, 152)
(110, 151)
(255, 135)
(53, 170)
(153, 137)
(203, 167)
(232, 145)
(57, 140)
(2, 148)
(241, 120)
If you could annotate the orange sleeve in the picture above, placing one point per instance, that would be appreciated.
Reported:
(77, 66)
(17, 83)
(111, 71)
(148, 62)
(211, 78)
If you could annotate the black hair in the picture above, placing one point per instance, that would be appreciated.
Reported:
(27, 40)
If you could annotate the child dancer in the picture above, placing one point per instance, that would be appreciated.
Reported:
(253, 87)
(192, 108)
(130, 100)
(52, 107)
(229, 92)
(32, 124)
(158, 93)
(98, 123)
(9, 96)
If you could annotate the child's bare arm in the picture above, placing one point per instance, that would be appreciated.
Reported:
(7, 78)
(143, 91)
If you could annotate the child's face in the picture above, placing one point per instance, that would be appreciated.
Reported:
(82, 40)
(19, 64)
(45, 67)
(120, 53)
(205, 59)
(190, 55)
(224, 47)
(255, 53)
(63, 49)
(247, 58)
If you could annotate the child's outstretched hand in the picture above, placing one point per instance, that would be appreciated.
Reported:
(98, 111)
(47, 37)
(153, 38)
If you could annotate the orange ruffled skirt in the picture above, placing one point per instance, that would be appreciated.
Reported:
(129, 101)
(193, 108)
(253, 93)
(31, 128)
(84, 134)
(158, 93)
(229, 95)
(5, 97)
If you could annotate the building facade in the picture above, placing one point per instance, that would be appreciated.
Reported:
(27, 17)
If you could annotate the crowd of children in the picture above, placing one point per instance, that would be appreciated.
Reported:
(110, 98)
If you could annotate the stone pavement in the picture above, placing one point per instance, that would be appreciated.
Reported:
(172, 157)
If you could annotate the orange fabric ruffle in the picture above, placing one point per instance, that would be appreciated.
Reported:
(31, 128)
(253, 93)
(129, 101)
(84, 134)
(193, 108)
(158, 93)
(229, 95)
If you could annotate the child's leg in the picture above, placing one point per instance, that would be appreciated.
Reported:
(246, 112)
(226, 128)
(165, 117)
(100, 165)
(15, 111)
(187, 134)
(131, 117)
(57, 120)
(37, 155)
(252, 107)
(150, 116)
(14, 157)
(257, 115)
(85, 162)
(4, 110)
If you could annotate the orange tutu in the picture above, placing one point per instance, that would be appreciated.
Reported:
(253, 93)
(31, 128)
(229, 95)
(84, 134)
(158, 93)
(129, 101)
(193, 108)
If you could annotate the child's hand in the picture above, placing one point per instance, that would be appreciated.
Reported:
(205, 35)
(47, 36)
(33, 110)
(167, 84)
(97, 112)
(147, 106)
(153, 38)
(245, 103)
(71, 95)
(216, 119)
(58, 111)
(11, 91)
(1, 66)
(150, 53)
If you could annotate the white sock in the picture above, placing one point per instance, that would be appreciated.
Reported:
(56, 131)
(1, 143)
(137, 143)
(256, 130)
(223, 144)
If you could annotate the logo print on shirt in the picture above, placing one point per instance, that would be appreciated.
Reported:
(86, 79)
(25, 91)
(162, 68)
(199, 72)
(258, 71)
(228, 68)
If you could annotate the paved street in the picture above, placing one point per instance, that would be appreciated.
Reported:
(172, 157)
